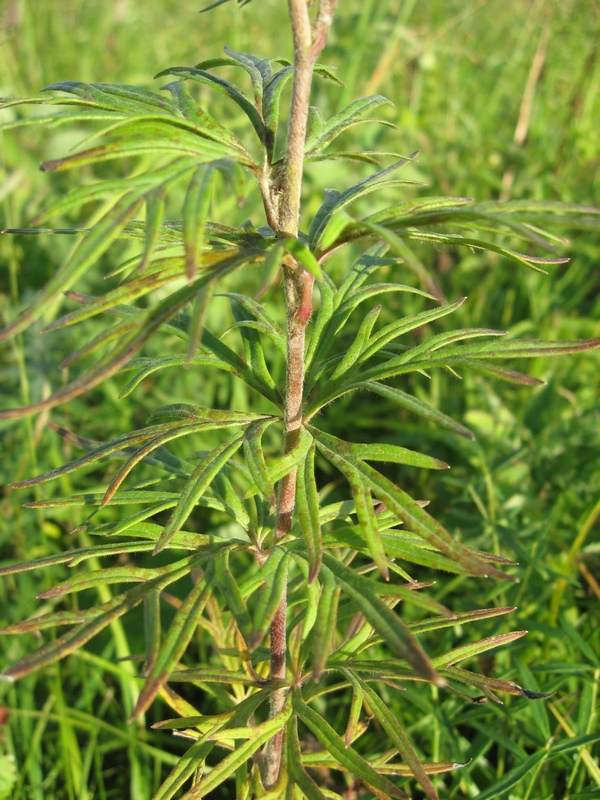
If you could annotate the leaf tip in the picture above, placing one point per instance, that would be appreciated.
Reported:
(7, 678)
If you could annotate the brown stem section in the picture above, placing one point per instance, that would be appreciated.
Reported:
(308, 42)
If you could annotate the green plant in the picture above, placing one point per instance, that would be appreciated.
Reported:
(280, 559)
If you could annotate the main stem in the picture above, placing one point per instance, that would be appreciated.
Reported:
(308, 43)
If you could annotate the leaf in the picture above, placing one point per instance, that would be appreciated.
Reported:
(346, 118)
(234, 602)
(195, 757)
(393, 454)
(394, 730)
(418, 406)
(129, 345)
(76, 638)
(182, 628)
(334, 201)
(475, 648)
(242, 753)
(433, 624)
(367, 520)
(203, 122)
(198, 483)
(354, 715)
(346, 756)
(388, 625)
(117, 97)
(253, 350)
(325, 623)
(307, 504)
(272, 593)
(255, 459)
(398, 501)
(195, 210)
(359, 344)
(270, 104)
(87, 253)
(407, 324)
(223, 86)
(295, 767)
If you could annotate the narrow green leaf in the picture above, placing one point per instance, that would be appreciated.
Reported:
(335, 201)
(475, 648)
(354, 714)
(223, 86)
(272, 593)
(418, 406)
(106, 576)
(325, 623)
(359, 344)
(118, 97)
(367, 520)
(307, 503)
(181, 630)
(298, 774)
(152, 629)
(253, 349)
(281, 466)
(388, 625)
(200, 118)
(195, 210)
(346, 118)
(346, 756)
(304, 255)
(394, 730)
(242, 753)
(459, 619)
(198, 483)
(393, 454)
(87, 253)
(270, 104)
(414, 517)
(126, 293)
(129, 345)
(74, 639)
(399, 328)
(230, 590)
(326, 309)
(255, 459)
(195, 757)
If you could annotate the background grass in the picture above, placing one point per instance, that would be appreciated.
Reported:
(503, 101)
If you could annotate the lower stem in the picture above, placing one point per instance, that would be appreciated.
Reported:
(298, 290)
